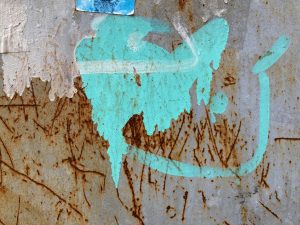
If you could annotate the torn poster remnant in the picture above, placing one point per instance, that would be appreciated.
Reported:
(121, 7)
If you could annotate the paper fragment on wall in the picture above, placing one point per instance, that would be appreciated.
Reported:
(121, 7)
(11, 28)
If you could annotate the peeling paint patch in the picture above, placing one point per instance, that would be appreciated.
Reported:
(39, 42)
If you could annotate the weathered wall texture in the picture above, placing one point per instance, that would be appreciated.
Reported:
(54, 165)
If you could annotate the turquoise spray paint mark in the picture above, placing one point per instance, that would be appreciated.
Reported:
(176, 168)
(217, 105)
(271, 56)
(108, 63)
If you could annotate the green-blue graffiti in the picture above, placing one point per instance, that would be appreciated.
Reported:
(177, 168)
(109, 62)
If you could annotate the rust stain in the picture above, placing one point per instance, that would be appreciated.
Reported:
(185, 197)
(221, 140)
(136, 211)
(264, 175)
(18, 212)
(171, 211)
(203, 198)
(181, 4)
(287, 139)
(50, 124)
(137, 77)
(270, 211)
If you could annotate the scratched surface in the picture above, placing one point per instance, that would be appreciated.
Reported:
(54, 165)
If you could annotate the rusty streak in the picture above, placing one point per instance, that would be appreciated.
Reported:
(161, 142)
(141, 180)
(39, 125)
(34, 100)
(286, 138)
(185, 196)
(203, 198)
(215, 145)
(210, 154)
(24, 112)
(19, 105)
(70, 141)
(212, 137)
(58, 216)
(10, 159)
(136, 208)
(2, 222)
(264, 176)
(81, 151)
(58, 111)
(117, 220)
(176, 139)
(18, 213)
(181, 150)
(200, 133)
(86, 171)
(196, 158)
(122, 203)
(41, 185)
(1, 174)
(165, 180)
(83, 189)
(276, 196)
(5, 124)
(79, 112)
(269, 210)
(233, 144)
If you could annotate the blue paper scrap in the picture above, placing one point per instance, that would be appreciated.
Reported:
(121, 7)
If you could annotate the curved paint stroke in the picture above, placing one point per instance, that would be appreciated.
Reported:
(110, 61)
(176, 168)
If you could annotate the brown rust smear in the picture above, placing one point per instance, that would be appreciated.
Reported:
(137, 77)
(221, 140)
(186, 9)
(181, 4)
(228, 69)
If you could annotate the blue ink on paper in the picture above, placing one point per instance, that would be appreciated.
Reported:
(122, 7)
